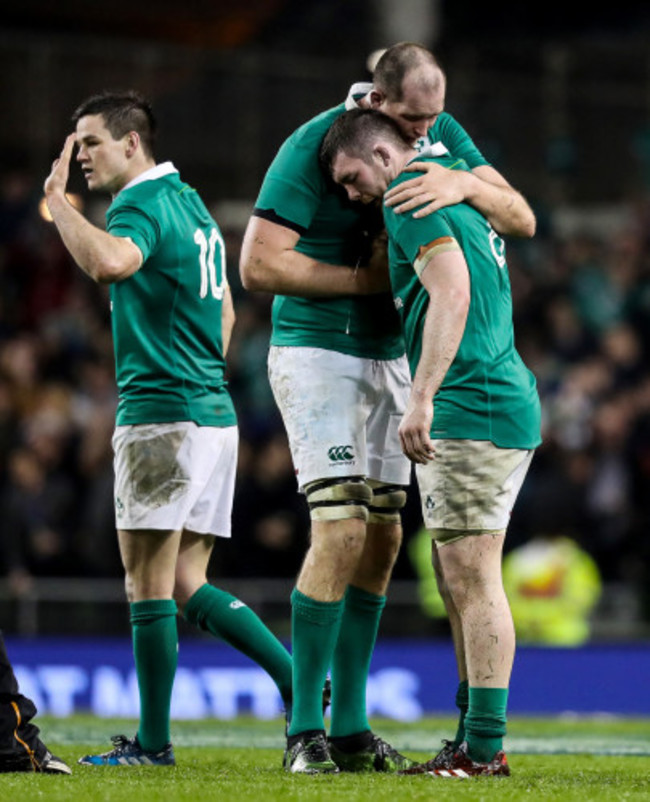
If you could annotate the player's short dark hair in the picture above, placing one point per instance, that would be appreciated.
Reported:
(122, 112)
(395, 63)
(355, 131)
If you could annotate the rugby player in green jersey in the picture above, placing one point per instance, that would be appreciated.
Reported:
(472, 421)
(340, 378)
(176, 433)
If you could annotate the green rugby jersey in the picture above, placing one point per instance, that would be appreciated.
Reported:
(297, 193)
(488, 392)
(166, 317)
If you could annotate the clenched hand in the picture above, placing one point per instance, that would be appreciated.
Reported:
(414, 431)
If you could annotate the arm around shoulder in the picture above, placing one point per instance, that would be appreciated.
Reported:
(484, 188)
(506, 208)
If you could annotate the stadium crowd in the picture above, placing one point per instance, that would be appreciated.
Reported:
(582, 306)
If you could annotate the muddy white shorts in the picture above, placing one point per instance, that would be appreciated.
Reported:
(172, 476)
(341, 413)
(470, 487)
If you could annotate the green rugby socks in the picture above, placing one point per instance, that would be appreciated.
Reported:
(155, 649)
(314, 629)
(226, 617)
(485, 722)
(462, 703)
(351, 663)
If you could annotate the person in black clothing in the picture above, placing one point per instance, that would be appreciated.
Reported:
(21, 748)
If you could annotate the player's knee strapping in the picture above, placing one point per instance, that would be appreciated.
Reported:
(337, 499)
(387, 501)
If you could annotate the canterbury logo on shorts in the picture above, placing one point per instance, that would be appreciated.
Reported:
(340, 453)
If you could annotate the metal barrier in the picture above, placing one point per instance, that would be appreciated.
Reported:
(95, 606)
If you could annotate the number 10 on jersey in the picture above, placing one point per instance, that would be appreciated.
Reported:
(207, 249)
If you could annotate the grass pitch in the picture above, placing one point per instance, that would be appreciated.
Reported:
(551, 759)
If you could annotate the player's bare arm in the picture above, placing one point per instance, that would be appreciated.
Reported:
(484, 188)
(227, 319)
(270, 263)
(446, 278)
(103, 257)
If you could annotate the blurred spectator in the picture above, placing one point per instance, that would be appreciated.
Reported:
(553, 586)
(38, 521)
(270, 519)
(247, 370)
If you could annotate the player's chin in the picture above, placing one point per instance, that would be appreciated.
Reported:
(91, 181)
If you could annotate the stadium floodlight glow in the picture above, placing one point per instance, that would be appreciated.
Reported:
(73, 198)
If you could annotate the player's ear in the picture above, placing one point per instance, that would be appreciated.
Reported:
(382, 154)
(132, 140)
(375, 98)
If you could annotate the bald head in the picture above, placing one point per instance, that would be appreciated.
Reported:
(407, 60)
(409, 86)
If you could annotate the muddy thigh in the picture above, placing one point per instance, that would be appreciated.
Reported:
(157, 476)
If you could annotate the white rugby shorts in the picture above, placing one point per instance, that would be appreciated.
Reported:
(470, 487)
(173, 476)
(341, 413)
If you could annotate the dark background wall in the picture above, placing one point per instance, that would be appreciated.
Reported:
(547, 91)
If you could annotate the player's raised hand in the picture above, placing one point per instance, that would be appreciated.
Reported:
(414, 431)
(57, 180)
(435, 187)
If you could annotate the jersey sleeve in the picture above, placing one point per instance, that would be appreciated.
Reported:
(129, 221)
(293, 187)
(458, 142)
(416, 236)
